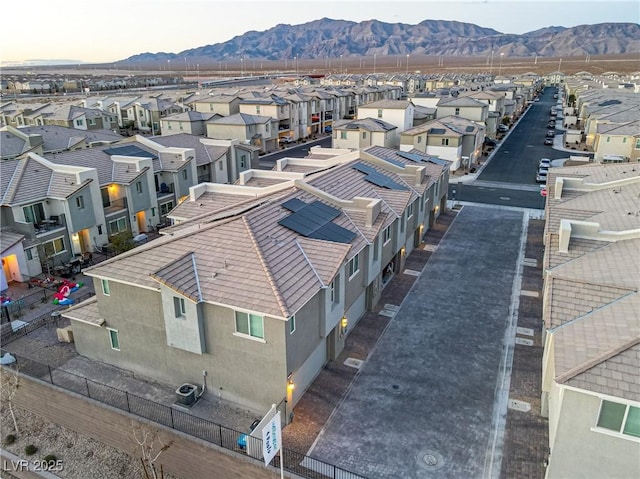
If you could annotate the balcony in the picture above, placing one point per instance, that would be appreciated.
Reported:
(115, 206)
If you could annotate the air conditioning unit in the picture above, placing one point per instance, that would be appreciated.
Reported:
(186, 394)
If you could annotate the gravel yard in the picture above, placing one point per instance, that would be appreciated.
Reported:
(81, 456)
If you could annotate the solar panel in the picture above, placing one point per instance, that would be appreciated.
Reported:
(129, 150)
(313, 220)
(411, 156)
(437, 161)
(394, 162)
(362, 168)
(294, 204)
(469, 129)
(377, 178)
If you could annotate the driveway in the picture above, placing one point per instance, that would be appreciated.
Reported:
(431, 398)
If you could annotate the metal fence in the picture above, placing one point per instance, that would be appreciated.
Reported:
(9, 334)
(294, 462)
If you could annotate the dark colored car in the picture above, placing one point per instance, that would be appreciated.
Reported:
(490, 142)
(551, 124)
(550, 134)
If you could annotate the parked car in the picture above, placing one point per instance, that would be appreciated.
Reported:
(541, 177)
(544, 163)
(490, 142)
(548, 141)
(551, 134)
(503, 128)
(555, 96)
(328, 129)
(286, 140)
(551, 124)
(536, 99)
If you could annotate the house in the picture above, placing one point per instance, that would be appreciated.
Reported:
(242, 289)
(225, 105)
(465, 107)
(591, 318)
(257, 130)
(50, 139)
(190, 122)
(363, 133)
(50, 213)
(274, 106)
(451, 138)
(399, 113)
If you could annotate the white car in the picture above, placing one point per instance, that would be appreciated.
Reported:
(541, 177)
(544, 163)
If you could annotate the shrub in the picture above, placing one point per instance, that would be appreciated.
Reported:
(10, 439)
(30, 450)
(50, 458)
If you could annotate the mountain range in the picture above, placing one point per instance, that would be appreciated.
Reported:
(327, 38)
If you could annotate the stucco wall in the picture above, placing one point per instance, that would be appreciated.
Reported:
(580, 452)
(240, 369)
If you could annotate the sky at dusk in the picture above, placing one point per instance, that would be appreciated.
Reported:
(89, 31)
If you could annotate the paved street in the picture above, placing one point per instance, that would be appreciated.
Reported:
(426, 399)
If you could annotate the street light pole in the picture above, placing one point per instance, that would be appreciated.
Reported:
(407, 71)
(340, 64)
(500, 69)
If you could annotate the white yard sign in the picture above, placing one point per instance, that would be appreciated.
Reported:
(271, 439)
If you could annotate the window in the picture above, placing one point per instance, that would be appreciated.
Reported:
(91, 122)
(139, 187)
(457, 111)
(343, 135)
(354, 266)
(184, 174)
(153, 211)
(99, 229)
(637, 144)
(402, 222)
(180, 125)
(364, 135)
(117, 226)
(29, 253)
(419, 139)
(334, 290)
(105, 287)
(379, 113)
(104, 193)
(620, 418)
(54, 247)
(250, 325)
(80, 202)
(243, 161)
(220, 166)
(386, 235)
(624, 140)
(292, 324)
(410, 210)
(33, 213)
(113, 339)
(376, 244)
(445, 141)
(165, 208)
(169, 125)
(179, 307)
(79, 122)
(258, 109)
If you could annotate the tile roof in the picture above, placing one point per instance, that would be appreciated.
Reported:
(9, 238)
(29, 180)
(85, 312)
(592, 303)
(240, 119)
(583, 345)
(368, 124)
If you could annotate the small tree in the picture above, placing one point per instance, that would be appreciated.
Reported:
(122, 242)
(151, 448)
(9, 384)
